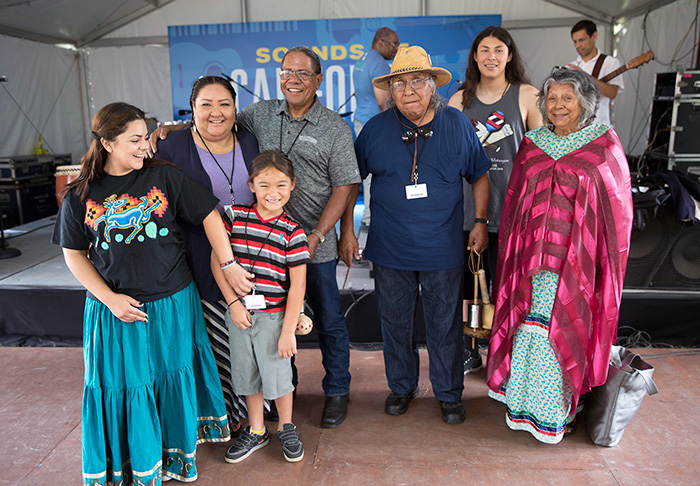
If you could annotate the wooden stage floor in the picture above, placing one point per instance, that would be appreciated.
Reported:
(41, 390)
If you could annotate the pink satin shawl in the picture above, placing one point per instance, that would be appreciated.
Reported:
(571, 216)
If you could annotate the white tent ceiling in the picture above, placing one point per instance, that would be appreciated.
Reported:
(84, 22)
(119, 51)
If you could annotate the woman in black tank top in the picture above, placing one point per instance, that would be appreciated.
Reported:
(501, 105)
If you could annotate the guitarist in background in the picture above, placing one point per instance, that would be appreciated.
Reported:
(592, 61)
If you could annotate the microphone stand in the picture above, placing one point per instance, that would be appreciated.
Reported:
(346, 102)
(231, 80)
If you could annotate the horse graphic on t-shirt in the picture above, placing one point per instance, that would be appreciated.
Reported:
(135, 217)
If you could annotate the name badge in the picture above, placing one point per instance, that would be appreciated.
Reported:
(416, 191)
(254, 301)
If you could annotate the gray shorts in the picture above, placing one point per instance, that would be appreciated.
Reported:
(255, 363)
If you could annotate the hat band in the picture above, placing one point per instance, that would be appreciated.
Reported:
(407, 69)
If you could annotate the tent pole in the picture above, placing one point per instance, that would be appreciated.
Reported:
(244, 12)
(83, 93)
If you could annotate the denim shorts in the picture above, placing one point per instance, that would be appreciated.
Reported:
(255, 363)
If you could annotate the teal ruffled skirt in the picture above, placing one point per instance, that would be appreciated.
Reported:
(152, 392)
(537, 397)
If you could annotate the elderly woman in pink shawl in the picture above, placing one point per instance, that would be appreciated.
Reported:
(565, 236)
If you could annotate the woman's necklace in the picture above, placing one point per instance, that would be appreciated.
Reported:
(233, 163)
(483, 96)
(504, 91)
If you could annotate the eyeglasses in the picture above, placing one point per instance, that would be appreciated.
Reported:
(301, 75)
(393, 44)
(400, 85)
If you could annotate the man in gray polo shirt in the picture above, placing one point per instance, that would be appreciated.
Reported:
(319, 143)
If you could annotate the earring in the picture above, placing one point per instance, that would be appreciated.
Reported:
(235, 127)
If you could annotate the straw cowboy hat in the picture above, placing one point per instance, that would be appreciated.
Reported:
(412, 59)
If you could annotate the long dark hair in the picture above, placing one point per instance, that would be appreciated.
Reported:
(515, 72)
(271, 158)
(110, 122)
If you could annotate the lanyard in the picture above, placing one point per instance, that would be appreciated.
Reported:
(295, 138)
(247, 247)
(233, 163)
(417, 133)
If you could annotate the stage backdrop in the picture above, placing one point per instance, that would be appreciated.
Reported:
(251, 53)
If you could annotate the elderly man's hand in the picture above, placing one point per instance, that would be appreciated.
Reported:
(478, 238)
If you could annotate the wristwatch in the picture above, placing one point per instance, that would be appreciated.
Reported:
(319, 234)
(481, 220)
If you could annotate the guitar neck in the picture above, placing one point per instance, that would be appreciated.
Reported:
(633, 64)
(614, 74)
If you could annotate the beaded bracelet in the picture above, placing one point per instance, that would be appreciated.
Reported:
(229, 263)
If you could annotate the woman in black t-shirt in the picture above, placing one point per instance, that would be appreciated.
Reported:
(151, 386)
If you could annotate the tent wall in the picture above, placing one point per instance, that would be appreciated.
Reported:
(153, 28)
(132, 63)
(182, 12)
(139, 75)
(663, 33)
(41, 95)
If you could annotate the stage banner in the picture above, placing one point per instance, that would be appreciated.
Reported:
(250, 53)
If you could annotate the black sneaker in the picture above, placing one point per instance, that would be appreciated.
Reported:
(245, 445)
(291, 445)
(472, 364)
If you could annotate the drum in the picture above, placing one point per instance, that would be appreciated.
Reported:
(64, 175)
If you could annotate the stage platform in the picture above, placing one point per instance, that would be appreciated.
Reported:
(40, 433)
(41, 303)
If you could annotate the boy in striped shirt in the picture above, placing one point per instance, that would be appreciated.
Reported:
(270, 245)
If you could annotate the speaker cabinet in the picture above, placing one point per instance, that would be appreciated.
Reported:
(665, 255)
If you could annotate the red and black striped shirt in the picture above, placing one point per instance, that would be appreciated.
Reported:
(266, 248)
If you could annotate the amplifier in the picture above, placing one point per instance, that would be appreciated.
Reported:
(25, 167)
(685, 126)
(29, 200)
(675, 84)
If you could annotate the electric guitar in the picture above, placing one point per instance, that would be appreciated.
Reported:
(633, 64)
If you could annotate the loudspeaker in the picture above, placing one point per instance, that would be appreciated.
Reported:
(664, 255)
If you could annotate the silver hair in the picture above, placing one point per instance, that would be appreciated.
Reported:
(585, 87)
(315, 61)
(436, 101)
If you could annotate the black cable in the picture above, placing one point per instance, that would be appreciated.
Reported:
(21, 110)
(58, 96)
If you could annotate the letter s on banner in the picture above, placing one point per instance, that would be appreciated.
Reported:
(263, 55)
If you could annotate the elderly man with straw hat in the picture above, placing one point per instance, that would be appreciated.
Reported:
(418, 152)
